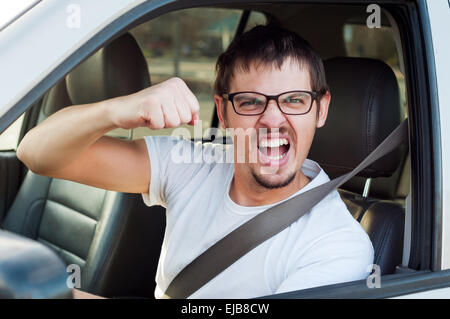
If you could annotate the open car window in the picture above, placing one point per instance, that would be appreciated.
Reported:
(377, 43)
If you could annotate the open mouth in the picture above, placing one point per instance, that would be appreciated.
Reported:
(274, 149)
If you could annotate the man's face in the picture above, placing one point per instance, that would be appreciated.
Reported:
(277, 165)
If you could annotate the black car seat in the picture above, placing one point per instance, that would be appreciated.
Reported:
(108, 234)
(364, 109)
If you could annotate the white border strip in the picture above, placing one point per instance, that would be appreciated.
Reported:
(439, 11)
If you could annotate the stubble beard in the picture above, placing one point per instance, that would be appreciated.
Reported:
(259, 178)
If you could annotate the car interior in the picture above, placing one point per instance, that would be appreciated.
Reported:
(116, 239)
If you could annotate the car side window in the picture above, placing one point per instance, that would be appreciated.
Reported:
(377, 43)
(187, 44)
(255, 18)
(9, 138)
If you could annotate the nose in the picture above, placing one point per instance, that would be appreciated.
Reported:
(272, 116)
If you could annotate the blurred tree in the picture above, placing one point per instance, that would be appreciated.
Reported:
(157, 36)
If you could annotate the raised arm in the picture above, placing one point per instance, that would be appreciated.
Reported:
(71, 144)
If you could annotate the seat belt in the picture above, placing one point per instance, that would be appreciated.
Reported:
(270, 222)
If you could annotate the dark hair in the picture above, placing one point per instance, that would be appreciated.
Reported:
(268, 44)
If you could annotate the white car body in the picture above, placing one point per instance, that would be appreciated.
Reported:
(28, 56)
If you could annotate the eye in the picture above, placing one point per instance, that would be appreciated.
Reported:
(295, 99)
(250, 102)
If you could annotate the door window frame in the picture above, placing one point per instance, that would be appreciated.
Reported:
(423, 110)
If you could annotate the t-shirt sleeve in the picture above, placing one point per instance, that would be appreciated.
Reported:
(173, 164)
(343, 256)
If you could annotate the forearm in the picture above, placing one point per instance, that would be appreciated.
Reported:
(58, 140)
(61, 145)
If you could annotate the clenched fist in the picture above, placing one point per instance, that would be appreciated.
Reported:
(165, 105)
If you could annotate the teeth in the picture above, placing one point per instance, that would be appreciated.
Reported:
(273, 142)
(276, 157)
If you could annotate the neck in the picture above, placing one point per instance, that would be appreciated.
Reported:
(245, 191)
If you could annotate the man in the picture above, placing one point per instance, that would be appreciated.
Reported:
(269, 83)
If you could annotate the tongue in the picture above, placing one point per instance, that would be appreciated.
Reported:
(274, 151)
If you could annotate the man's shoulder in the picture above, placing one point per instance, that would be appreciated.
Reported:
(334, 213)
(338, 223)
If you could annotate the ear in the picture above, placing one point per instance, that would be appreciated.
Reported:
(220, 108)
(323, 109)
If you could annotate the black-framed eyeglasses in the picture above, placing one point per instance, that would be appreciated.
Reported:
(254, 103)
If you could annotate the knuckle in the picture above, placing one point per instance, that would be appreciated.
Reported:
(173, 121)
(177, 80)
(186, 117)
(156, 125)
(196, 107)
(157, 122)
(176, 122)
(144, 113)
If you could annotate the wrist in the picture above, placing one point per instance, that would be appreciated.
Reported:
(107, 112)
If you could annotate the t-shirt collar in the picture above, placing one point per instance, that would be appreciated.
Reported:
(310, 168)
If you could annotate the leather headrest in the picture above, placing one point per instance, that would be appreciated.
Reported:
(56, 99)
(117, 69)
(364, 109)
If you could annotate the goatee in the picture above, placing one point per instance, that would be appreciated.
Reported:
(271, 185)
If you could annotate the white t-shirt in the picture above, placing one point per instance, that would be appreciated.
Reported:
(325, 246)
